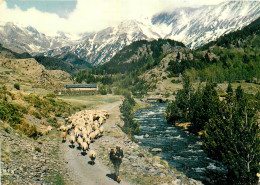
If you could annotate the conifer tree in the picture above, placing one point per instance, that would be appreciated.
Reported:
(232, 137)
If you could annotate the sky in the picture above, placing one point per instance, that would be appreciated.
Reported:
(78, 16)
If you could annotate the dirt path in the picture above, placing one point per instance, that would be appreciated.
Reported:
(81, 171)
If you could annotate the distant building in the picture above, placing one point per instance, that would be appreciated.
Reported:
(82, 87)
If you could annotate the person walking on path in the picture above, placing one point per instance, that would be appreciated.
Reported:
(116, 158)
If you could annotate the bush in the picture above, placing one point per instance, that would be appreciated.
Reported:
(52, 120)
(17, 86)
(37, 115)
(37, 149)
(51, 95)
(131, 126)
(102, 90)
(6, 128)
(29, 130)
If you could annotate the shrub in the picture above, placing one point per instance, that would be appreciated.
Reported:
(37, 149)
(29, 130)
(131, 126)
(37, 115)
(102, 90)
(52, 120)
(51, 95)
(17, 86)
(6, 128)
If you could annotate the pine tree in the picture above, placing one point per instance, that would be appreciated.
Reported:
(232, 137)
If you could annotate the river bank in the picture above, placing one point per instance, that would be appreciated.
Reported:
(138, 167)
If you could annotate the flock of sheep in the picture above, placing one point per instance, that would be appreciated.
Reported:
(83, 127)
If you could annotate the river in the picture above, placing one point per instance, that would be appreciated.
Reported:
(180, 149)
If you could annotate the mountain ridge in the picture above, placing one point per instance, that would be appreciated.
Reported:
(192, 26)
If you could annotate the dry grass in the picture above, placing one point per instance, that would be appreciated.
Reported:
(89, 101)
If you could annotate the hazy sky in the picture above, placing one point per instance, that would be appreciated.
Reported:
(77, 16)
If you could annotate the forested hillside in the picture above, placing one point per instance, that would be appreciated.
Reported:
(228, 122)
(126, 67)
(232, 57)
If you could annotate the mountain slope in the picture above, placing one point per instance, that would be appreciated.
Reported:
(197, 26)
(139, 54)
(27, 39)
(192, 26)
(67, 62)
(156, 67)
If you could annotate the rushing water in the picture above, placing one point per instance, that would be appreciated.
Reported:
(179, 148)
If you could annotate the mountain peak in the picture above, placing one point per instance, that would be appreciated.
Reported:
(192, 26)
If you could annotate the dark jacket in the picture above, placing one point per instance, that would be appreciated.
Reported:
(119, 155)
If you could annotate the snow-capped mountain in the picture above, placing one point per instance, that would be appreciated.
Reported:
(197, 26)
(101, 46)
(28, 39)
(192, 26)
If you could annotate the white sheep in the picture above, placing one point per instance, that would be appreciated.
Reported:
(80, 141)
(72, 139)
(62, 128)
(97, 133)
(87, 140)
(84, 147)
(92, 136)
(92, 155)
(101, 130)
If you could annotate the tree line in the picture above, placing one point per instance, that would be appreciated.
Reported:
(131, 127)
(229, 128)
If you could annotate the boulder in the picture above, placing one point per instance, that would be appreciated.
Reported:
(156, 150)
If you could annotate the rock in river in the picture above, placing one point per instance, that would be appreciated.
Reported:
(156, 150)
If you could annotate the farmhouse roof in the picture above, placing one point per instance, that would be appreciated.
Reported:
(69, 86)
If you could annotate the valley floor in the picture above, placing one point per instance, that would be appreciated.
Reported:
(138, 167)
(47, 160)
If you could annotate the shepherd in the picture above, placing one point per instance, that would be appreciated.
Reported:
(116, 158)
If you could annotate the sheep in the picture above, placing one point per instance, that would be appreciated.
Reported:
(62, 127)
(92, 155)
(84, 137)
(92, 136)
(72, 140)
(101, 121)
(85, 132)
(97, 133)
(101, 130)
(64, 135)
(95, 127)
(80, 141)
(87, 140)
(84, 147)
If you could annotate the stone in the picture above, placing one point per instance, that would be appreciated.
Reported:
(146, 135)
(176, 181)
(131, 158)
(162, 175)
(135, 165)
(156, 150)
(158, 166)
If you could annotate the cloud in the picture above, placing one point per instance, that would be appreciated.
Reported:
(91, 15)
